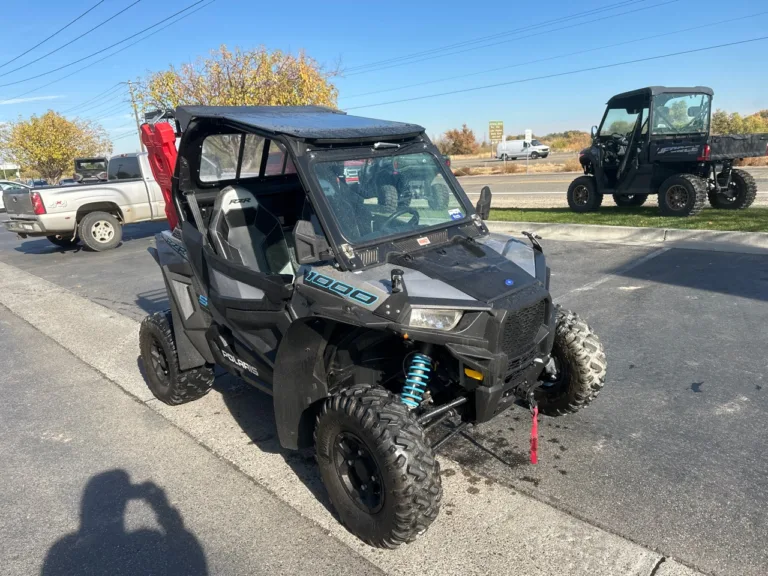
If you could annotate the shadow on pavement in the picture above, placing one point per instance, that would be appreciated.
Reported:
(103, 546)
(130, 232)
(153, 300)
(735, 274)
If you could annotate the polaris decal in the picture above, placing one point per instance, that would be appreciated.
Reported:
(240, 363)
(340, 288)
(678, 150)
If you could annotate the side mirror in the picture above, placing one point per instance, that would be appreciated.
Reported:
(483, 207)
(310, 247)
(594, 131)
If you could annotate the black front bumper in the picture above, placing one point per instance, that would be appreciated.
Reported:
(506, 376)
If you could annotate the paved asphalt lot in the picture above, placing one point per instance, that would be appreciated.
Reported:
(670, 455)
(549, 190)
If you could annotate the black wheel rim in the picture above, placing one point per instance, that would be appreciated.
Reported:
(159, 362)
(581, 195)
(677, 197)
(358, 472)
(556, 383)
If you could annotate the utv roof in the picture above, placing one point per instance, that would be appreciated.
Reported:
(304, 122)
(654, 90)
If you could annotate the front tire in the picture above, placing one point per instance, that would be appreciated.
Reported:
(682, 195)
(381, 475)
(167, 382)
(630, 199)
(100, 231)
(583, 195)
(580, 367)
(439, 196)
(534, 155)
(741, 193)
(63, 241)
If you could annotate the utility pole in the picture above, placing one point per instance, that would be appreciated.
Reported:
(136, 115)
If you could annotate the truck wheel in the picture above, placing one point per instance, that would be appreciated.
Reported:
(63, 241)
(166, 380)
(381, 475)
(630, 199)
(580, 367)
(439, 196)
(100, 231)
(388, 196)
(682, 195)
(583, 195)
(534, 155)
(741, 192)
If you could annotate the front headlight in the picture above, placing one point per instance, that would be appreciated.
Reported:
(433, 318)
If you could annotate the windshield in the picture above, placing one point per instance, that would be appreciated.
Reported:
(681, 113)
(376, 197)
(619, 121)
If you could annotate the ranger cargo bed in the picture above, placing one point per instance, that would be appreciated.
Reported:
(733, 146)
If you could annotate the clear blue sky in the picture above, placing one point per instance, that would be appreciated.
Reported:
(355, 33)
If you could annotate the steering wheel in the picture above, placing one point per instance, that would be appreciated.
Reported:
(407, 210)
(620, 138)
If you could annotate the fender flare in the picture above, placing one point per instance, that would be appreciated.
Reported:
(300, 382)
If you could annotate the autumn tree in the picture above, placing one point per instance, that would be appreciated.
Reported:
(459, 141)
(258, 77)
(735, 123)
(48, 145)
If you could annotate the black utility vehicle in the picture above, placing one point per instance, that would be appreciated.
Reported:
(380, 332)
(657, 141)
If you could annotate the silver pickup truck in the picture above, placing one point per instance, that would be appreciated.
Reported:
(93, 213)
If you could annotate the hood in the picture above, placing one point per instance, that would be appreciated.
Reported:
(472, 268)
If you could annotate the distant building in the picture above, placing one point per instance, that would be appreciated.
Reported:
(9, 171)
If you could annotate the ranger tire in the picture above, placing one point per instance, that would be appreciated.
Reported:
(583, 195)
(388, 196)
(630, 199)
(682, 195)
(439, 196)
(100, 231)
(381, 475)
(744, 190)
(165, 379)
(580, 360)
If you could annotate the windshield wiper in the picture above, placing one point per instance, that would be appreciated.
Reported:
(379, 145)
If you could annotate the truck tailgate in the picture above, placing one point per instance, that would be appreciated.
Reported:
(18, 202)
(732, 146)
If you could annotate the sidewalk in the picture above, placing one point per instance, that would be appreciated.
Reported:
(484, 528)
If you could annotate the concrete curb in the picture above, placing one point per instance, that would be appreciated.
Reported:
(500, 532)
(744, 242)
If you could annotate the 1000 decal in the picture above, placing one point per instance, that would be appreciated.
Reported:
(340, 288)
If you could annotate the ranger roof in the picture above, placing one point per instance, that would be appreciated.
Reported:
(654, 90)
(303, 122)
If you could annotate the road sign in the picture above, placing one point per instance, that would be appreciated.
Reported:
(496, 130)
(528, 135)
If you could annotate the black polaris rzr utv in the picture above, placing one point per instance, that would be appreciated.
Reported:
(380, 332)
(657, 140)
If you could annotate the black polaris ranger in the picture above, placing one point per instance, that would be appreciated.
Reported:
(657, 141)
(369, 324)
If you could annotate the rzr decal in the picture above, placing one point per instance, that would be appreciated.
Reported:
(340, 288)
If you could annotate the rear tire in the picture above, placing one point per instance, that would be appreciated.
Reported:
(100, 231)
(583, 195)
(167, 382)
(381, 475)
(630, 199)
(63, 241)
(439, 196)
(388, 196)
(682, 195)
(743, 191)
(581, 367)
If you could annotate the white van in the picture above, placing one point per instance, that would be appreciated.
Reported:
(514, 149)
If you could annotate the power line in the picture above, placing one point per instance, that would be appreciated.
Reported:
(71, 41)
(115, 52)
(107, 113)
(442, 55)
(108, 101)
(52, 35)
(556, 75)
(103, 49)
(109, 90)
(492, 36)
(549, 58)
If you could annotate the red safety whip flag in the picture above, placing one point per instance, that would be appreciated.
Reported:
(160, 141)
